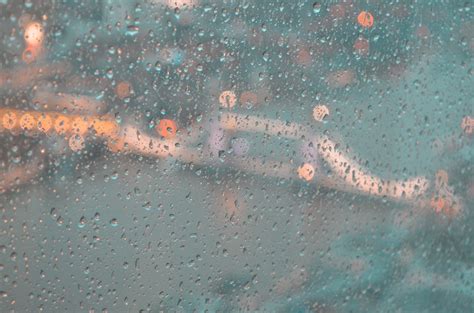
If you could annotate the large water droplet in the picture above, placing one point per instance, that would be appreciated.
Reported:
(132, 30)
(316, 7)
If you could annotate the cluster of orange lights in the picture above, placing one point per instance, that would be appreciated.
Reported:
(74, 126)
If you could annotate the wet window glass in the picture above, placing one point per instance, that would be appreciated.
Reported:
(236, 156)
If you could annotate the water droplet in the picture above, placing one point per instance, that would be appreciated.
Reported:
(54, 213)
(147, 206)
(132, 30)
(158, 66)
(109, 73)
(82, 222)
(97, 216)
(316, 7)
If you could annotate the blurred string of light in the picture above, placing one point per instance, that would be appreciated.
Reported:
(130, 139)
(120, 138)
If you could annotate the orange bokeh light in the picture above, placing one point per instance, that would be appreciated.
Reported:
(62, 124)
(227, 99)
(320, 112)
(306, 172)
(9, 120)
(80, 125)
(34, 34)
(167, 128)
(27, 121)
(365, 19)
(76, 143)
(45, 123)
(105, 128)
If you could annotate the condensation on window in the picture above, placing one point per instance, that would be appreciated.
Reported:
(236, 156)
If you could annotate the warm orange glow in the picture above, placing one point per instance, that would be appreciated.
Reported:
(80, 125)
(62, 124)
(445, 205)
(350, 176)
(76, 142)
(167, 128)
(438, 204)
(227, 99)
(34, 34)
(106, 128)
(306, 172)
(116, 144)
(29, 55)
(45, 123)
(365, 19)
(27, 121)
(320, 112)
(10, 120)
